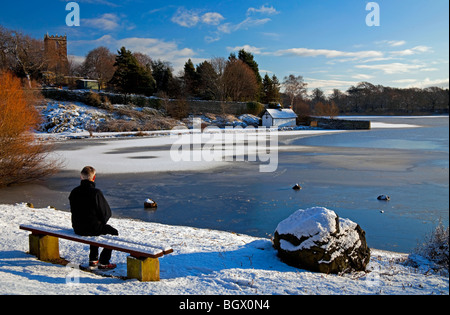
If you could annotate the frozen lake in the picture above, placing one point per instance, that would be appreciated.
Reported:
(344, 172)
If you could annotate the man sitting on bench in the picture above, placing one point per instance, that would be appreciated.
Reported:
(90, 214)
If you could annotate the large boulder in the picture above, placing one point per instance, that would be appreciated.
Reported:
(317, 239)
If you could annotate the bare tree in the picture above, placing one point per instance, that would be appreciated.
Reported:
(20, 53)
(6, 62)
(219, 64)
(144, 60)
(294, 87)
(99, 65)
(74, 66)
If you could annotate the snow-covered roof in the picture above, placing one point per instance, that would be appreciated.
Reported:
(281, 113)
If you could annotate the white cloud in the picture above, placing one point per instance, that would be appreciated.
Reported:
(362, 76)
(190, 18)
(394, 68)
(186, 18)
(263, 10)
(307, 52)
(153, 47)
(106, 22)
(212, 18)
(427, 82)
(247, 23)
(247, 48)
(411, 51)
(392, 43)
(396, 43)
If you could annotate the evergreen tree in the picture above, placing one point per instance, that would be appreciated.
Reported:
(208, 81)
(270, 89)
(130, 77)
(248, 59)
(162, 73)
(276, 96)
(191, 78)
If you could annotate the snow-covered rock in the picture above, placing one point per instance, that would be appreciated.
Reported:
(250, 120)
(149, 203)
(74, 118)
(317, 239)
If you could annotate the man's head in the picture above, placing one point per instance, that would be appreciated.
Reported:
(88, 173)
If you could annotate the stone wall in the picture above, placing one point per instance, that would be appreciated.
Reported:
(216, 107)
(339, 124)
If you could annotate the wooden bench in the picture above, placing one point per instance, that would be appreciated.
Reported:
(142, 264)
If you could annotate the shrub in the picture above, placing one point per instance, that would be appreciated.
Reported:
(435, 247)
(22, 157)
(93, 99)
(177, 109)
(255, 108)
(106, 104)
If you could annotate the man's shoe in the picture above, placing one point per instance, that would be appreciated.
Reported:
(93, 263)
(107, 267)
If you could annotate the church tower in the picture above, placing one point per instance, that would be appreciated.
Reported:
(56, 54)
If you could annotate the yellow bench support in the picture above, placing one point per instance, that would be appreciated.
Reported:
(45, 247)
(143, 269)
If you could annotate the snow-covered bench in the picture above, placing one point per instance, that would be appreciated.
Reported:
(142, 264)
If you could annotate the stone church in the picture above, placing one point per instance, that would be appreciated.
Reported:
(55, 48)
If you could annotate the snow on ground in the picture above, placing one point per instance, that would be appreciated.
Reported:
(203, 262)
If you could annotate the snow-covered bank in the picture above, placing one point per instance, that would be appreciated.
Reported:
(203, 262)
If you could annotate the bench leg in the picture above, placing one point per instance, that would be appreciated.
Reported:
(143, 269)
(45, 247)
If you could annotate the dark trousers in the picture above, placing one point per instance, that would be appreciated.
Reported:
(105, 256)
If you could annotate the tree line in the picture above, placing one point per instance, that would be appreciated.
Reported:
(236, 78)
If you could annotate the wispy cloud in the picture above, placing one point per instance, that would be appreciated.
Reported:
(427, 82)
(411, 51)
(396, 67)
(190, 18)
(309, 52)
(154, 47)
(362, 76)
(263, 10)
(185, 18)
(108, 22)
(391, 43)
(247, 48)
(246, 24)
(249, 21)
(329, 53)
(212, 18)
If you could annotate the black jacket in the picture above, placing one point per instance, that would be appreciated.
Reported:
(90, 210)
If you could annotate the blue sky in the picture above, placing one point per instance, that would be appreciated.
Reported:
(326, 41)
